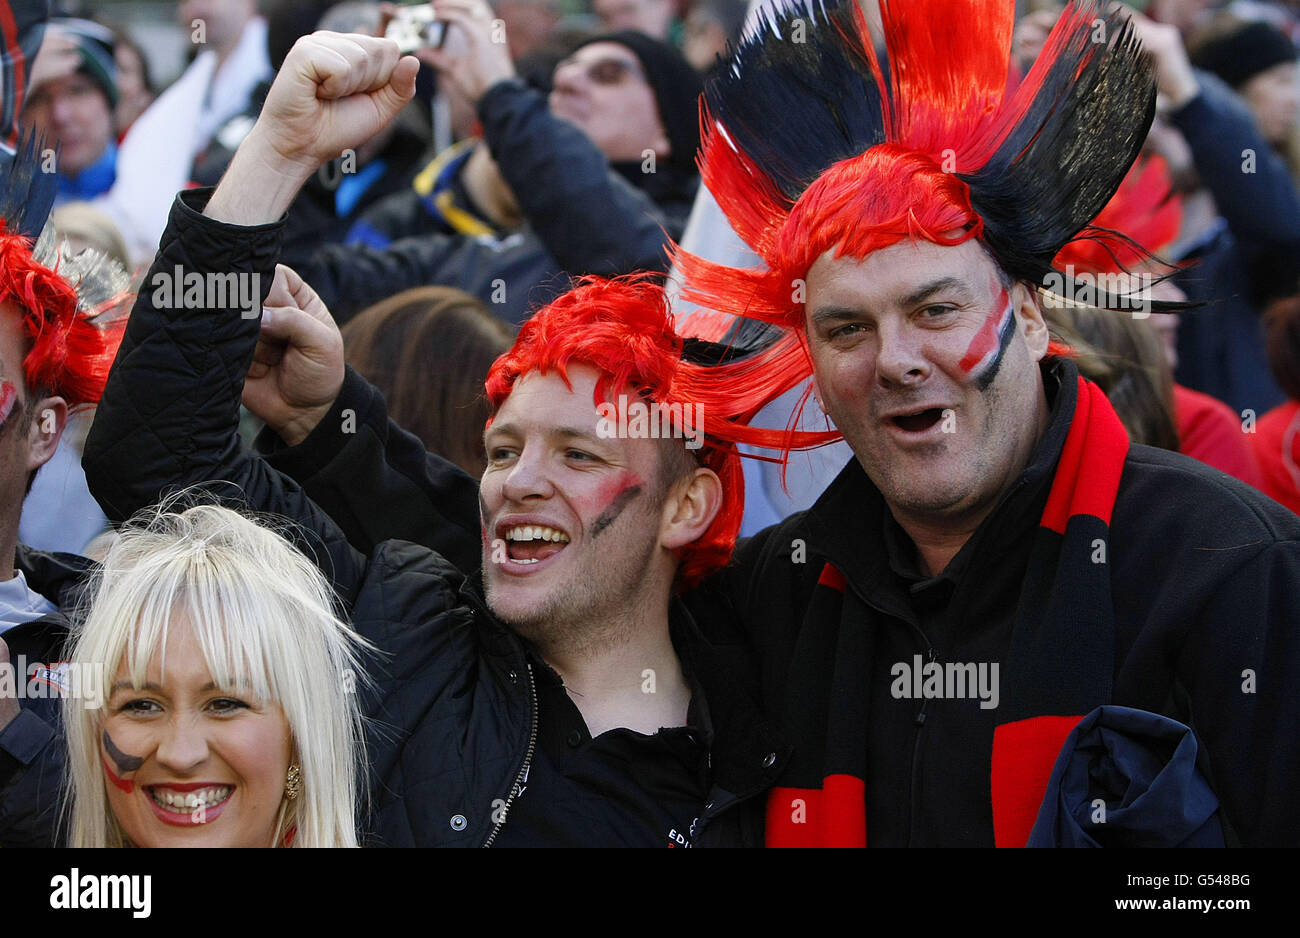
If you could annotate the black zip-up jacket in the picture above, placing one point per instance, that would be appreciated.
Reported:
(453, 706)
(1205, 581)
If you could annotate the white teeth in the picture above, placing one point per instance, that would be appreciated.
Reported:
(530, 532)
(190, 801)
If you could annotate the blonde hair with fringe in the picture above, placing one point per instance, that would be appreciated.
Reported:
(265, 621)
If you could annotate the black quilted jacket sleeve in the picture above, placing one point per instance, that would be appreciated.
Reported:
(169, 416)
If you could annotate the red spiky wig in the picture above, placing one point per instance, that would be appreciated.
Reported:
(623, 329)
(68, 354)
(814, 142)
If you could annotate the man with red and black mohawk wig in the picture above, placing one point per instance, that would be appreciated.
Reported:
(55, 353)
(998, 561)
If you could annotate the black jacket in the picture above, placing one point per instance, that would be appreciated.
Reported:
(453, 705)
(1205, 578)
(582, 217)
(31, 747)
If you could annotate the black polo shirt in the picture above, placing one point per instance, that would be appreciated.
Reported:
(620, 789)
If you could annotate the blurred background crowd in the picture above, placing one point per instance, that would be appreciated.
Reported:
(433, 240)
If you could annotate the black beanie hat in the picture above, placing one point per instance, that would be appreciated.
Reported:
(677, 89)
(95, 44)
(1241, 55)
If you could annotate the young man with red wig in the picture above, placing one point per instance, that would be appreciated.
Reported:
(999, 578)
(563, 697)
(53, 356)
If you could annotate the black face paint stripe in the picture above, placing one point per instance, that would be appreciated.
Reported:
(616, 507)
(1004, 343)
(124, 762)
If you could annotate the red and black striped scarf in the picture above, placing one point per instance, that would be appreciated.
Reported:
(1059, 666)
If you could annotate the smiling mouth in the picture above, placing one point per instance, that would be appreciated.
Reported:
(920, 421)
(189, 803)
(533, 543)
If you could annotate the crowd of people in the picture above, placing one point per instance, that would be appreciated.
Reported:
(651, 423)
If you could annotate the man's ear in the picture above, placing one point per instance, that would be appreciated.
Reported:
(817, 392)
(49, 416)
(692, 504)
(1032, 324)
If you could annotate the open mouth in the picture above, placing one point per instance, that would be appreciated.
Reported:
(920, 421)
(198, 806)
(533, 543)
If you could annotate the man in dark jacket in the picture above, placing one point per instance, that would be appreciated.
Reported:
(1242, 247)
(576, 705)
(52, 358)
(591, 180)
(998, 561)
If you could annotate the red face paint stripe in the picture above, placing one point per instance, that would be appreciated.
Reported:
(8, 398)
(986, 341)
(125, 784)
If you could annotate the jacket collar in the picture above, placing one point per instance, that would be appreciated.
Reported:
(56, 576)
(59, 578)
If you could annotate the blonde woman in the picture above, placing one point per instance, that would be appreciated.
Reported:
(227, 715)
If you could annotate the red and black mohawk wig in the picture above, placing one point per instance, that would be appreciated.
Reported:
(814, 141)
(64, 302)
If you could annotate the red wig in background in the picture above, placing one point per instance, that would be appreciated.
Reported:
(1145, 211)
(68, 353)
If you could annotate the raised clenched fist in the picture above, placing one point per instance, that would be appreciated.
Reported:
(334, 91)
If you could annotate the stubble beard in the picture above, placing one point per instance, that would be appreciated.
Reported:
(596, 607)
(940, 480)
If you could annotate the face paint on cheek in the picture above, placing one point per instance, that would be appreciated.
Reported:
(984, 356)
(125, 763)
(628, 488)
(482, 516)
(8, 399)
